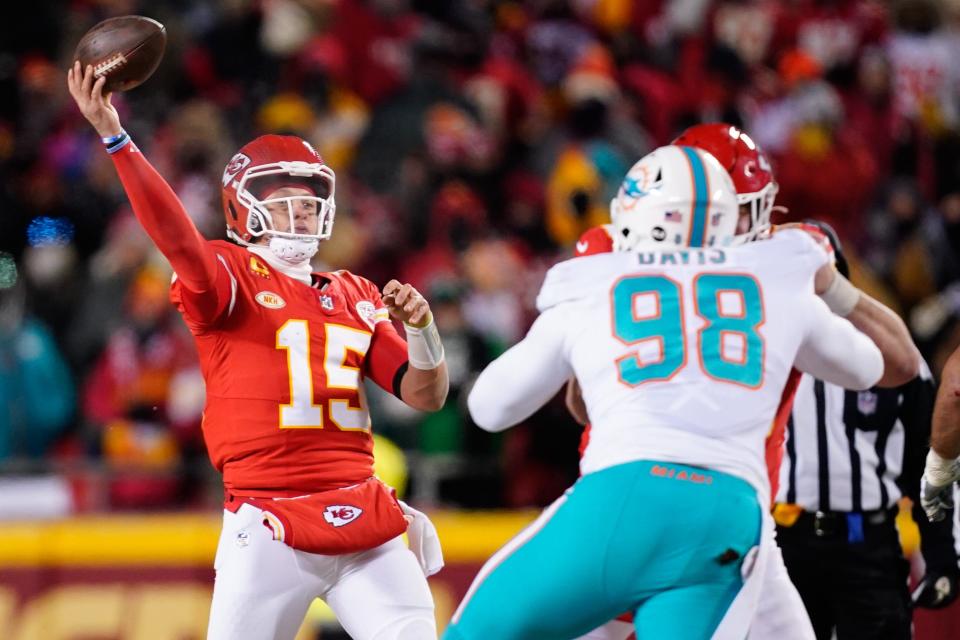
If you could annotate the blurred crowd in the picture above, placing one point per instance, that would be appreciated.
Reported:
(473, 141)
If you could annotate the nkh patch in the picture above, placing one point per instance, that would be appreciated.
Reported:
(270, 300)
(341, 514)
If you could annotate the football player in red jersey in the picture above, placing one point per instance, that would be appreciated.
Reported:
(780, 612)
(284, 352)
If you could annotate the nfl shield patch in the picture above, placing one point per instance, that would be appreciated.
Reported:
(867, 402)
(326, 302)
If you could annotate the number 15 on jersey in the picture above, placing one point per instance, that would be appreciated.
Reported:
(302, 412)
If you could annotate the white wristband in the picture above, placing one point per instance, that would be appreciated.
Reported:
(940, 471)
(841, 296)
(424, 349)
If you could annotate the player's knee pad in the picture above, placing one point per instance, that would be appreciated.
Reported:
(410, 629)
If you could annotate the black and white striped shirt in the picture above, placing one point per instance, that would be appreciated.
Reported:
(856, 451)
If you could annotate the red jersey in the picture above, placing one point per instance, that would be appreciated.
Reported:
(284, 365)
(283, 361)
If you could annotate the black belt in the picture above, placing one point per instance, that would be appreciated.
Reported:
(850, 524)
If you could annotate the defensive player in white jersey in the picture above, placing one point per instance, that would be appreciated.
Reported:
(682, 344)
(780, 613)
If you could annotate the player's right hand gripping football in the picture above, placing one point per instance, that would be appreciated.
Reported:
(936, 489)
(87, 91)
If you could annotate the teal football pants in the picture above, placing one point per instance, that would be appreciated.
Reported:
(663, 540)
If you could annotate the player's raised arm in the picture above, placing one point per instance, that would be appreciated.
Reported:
(523, 379)
(154, 203)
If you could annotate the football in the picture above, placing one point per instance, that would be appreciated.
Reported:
(127, 50)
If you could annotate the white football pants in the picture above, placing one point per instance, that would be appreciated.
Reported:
(263, 587)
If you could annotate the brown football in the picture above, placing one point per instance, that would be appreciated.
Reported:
(127, 50)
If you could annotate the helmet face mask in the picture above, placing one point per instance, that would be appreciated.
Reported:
(259, 170)
(674, 197)
(267, 180)
(760, 205)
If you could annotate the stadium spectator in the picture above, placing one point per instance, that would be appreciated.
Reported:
(36, 392)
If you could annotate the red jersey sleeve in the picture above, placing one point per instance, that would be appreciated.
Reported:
(387, 359)
(202, 309)
(204, 280)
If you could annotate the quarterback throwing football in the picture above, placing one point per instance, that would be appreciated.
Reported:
(284, 352)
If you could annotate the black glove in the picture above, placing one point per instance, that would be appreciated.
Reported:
(937, 589)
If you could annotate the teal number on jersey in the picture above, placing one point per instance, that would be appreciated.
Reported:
(748, 370)
(667, 326)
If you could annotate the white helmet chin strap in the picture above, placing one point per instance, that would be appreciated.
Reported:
(294, 251)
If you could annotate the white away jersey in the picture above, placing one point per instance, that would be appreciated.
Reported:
(681, 355)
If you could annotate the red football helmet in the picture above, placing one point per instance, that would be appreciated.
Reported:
(745, 162)
(261, 167)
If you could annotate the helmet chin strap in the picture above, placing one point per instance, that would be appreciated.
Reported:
(293, 251)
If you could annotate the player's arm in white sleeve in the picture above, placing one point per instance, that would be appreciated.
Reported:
(833, 350)
(524, 378)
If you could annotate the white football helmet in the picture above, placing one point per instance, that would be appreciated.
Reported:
(674, 196)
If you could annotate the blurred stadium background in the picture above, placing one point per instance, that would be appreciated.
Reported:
(473, 141)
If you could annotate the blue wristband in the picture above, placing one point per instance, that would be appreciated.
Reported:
(117, 142)
(114, 139)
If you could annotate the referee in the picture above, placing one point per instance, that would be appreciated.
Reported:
(850, 456)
